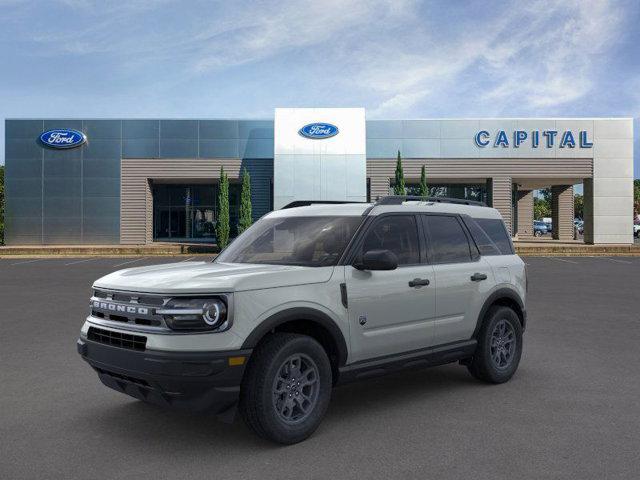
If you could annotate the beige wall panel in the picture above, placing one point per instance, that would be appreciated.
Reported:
(525, 214)
(501, 193)
(136, 201)
(381, 170)
(562, 211)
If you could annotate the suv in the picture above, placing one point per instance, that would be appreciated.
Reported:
(539, 228)
(309, 297)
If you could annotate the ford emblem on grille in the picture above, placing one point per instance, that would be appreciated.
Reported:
(318, 130)
(62, 138)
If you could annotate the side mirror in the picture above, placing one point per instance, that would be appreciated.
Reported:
(377, 260)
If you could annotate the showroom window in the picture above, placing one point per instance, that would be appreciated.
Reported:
(475, 192)
(188, 212)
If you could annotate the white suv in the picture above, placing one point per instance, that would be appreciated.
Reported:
(308, 297)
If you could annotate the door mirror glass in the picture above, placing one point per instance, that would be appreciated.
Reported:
(378, 260)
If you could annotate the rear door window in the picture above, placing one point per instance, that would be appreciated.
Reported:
(447, 239)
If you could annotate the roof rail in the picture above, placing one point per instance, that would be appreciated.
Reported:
(306, 203)
(399, 199)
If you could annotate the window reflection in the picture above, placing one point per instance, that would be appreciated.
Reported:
(188, 212)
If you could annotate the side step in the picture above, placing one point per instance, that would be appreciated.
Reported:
(427, 357)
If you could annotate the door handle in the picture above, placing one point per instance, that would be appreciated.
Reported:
(476, 277)
(419, 282)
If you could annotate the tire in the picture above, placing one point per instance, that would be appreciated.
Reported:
(497, 363)
(537, 233)
(276, 405)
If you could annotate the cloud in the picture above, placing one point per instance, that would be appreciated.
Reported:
(532, 57)
(400, 102)
(281, 27)
(549, 59)
(398, 54)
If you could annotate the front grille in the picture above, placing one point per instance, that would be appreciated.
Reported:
(121, 318)
(117, 339)
(132, 308)
(130, 297)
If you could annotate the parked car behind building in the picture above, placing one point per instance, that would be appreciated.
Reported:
(539, 228)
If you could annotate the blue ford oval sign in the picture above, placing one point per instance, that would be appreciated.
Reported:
(318, 130)
(63, 138)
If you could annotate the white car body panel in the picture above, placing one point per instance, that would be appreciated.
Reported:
(399, 318)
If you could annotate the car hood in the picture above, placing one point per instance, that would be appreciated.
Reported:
(208, 277)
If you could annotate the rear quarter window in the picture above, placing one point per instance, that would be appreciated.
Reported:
(496, 232)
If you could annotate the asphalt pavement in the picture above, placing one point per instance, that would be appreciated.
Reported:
(572, 411)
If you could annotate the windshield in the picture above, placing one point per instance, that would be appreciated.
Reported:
(305, 241)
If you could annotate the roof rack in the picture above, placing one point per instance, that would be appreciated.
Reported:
(306, 203)
(399, 199)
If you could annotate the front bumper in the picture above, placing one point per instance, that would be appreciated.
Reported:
(195, 381)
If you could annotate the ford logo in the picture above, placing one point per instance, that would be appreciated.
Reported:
(318, 130)
(63, 138)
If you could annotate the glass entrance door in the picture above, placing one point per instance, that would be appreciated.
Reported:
(184, 212)
(188, 212)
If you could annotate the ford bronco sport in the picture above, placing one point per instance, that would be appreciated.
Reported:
(306, 298)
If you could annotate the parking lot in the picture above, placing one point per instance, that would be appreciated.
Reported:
(571, 411)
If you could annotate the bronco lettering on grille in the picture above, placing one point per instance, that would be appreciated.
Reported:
(114, 307)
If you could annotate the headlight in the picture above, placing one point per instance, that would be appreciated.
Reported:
(196, 314)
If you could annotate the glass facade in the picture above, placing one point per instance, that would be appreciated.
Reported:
(73, 196)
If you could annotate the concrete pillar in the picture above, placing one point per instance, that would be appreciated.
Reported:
(562, 211)
(587, 185)
(500, 189)
(525, 214)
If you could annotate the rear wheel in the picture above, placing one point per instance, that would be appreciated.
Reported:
(499, 347)
(287, 388)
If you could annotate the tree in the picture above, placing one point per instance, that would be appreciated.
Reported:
(424, 190)
(222, 225)
(541, 208)
(542, 204)
(399, 187)
(1, 204)
(245, 219)
(578, 206)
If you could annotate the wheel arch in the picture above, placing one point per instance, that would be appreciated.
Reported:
(307, 321)
(505, 297)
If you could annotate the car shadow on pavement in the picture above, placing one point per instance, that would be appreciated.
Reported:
(392, 391)
(133, 421)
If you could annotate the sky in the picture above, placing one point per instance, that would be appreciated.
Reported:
(397, 58)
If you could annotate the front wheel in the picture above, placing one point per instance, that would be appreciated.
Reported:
(499, 347)
(287, 388)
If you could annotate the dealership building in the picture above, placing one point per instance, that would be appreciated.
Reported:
(138, 181)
